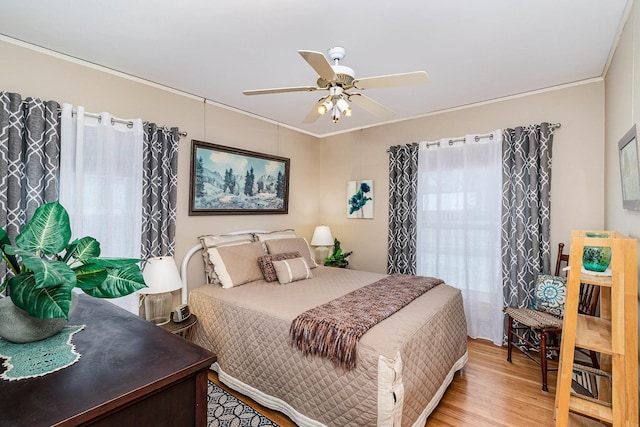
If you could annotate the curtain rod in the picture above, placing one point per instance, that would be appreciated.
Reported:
(478, 137)
(462, 139)
(114, 120)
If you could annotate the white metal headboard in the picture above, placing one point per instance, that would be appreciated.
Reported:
(195, 249)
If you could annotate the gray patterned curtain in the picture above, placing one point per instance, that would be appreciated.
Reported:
(159, 190)
(29, 159)
(403, 195)
(526, 207)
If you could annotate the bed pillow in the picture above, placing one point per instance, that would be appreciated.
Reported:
(215, 240)
(291, 270)
(289, 233)
(299, 244)
(551, 294)
(266, 264)
(236, 265)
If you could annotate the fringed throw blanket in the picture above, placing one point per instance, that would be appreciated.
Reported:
(334, 329)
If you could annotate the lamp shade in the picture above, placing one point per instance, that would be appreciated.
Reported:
(322, 236)
(161, 275)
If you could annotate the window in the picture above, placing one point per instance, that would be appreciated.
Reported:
(459, 226)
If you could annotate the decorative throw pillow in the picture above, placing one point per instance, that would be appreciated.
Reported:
(236, 265)
(215, 240)
(551, 294)
(266, 264)
(299, 244)
(291, 270)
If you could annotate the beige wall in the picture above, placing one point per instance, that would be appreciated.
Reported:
(320, 169)
(32, 73)
(622, 104)
(578, 163)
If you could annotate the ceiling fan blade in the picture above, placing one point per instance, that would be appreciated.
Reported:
(313, 113)
(281, 90)
(371, 106)
(415, 78)
(319, 63)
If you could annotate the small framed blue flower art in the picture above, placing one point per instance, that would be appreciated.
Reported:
(360, 199)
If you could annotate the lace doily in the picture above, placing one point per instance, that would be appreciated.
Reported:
(36, 359)
(605, 273)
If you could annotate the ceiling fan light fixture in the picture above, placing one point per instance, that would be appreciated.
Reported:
(335, 115)
(325, 106)
(339, 80)
(344, 107)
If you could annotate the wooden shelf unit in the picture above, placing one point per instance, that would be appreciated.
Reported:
(614, 334)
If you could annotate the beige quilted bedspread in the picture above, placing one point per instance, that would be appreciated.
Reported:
(248, 328)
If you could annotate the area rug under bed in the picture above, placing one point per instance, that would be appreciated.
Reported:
(224, 410)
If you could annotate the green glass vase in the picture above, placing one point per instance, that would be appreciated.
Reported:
(596, 258)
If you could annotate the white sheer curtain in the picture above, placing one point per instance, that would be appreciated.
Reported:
(459, 225)
(101, 183)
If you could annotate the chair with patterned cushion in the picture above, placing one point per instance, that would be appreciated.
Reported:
(544, 320)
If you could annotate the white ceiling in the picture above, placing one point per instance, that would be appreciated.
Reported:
(473, 50)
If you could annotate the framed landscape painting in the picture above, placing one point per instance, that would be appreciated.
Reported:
(230, 181)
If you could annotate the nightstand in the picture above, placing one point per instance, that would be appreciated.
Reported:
(185, 329)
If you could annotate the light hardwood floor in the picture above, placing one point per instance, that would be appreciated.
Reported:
(489, 392)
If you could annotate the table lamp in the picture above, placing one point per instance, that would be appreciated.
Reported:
(323, 239)
(161, 276)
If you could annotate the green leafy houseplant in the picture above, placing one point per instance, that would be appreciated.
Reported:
(47, 266)
(337, 258)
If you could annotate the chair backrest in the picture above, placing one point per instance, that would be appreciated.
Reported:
(589, 294)
(588, 302)
(561, 258)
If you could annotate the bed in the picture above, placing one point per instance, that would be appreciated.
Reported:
(404, 363)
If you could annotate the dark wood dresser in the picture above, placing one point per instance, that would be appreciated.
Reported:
(131, 373)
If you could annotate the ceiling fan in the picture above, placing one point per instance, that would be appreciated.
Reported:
(342, 85)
